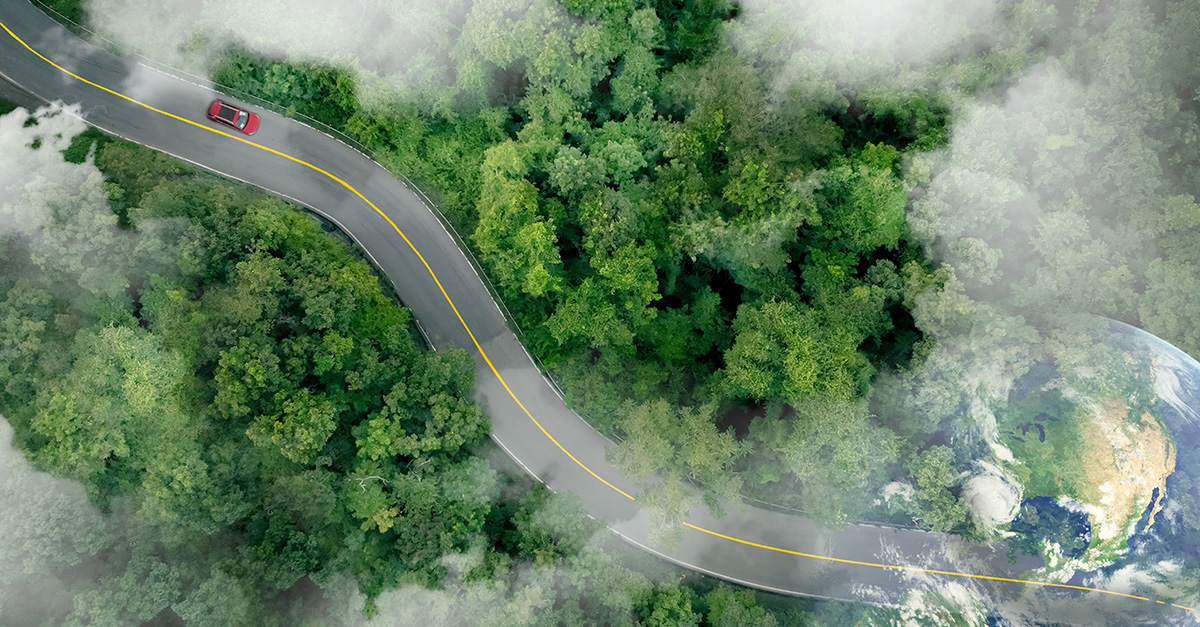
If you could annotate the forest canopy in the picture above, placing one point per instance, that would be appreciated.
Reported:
(767, 204)
(806, 234)
(213, 413)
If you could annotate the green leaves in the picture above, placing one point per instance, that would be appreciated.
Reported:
(574, 172)
(833, 451)
(935, 473)
(755, 243)
(247, 375)
(663, 447)
(976, 263)
(121, 383)
(864, 207)
(782, 351)
(251, 301)
(23, 316)
(650, 444)
(698, 137)
(589, 313)
(49, 523)
(630, 273)
(623, 159)
(332, 295)
(672, 607)
(550, 526)
(513, 237)
(425, 419)
(147, 587)
(637, 80)
(1080, 273)
(736, 608)
(1171, 304)
(324, 93)
(220, 600)
(668, 502)
(300, 429)
(505, 31)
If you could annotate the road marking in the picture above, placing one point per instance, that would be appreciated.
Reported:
(364, 199)
(924, 570)
(518, 401)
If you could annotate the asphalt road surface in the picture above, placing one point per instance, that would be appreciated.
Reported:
(752, 546)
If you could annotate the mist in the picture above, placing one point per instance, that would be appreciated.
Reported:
(390, 45)
(59, 210)
(1046, 202)
(47, 526)
(863, 40)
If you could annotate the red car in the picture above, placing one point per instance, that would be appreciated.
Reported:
(230, 115)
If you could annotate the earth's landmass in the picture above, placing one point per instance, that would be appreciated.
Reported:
(1089, 455)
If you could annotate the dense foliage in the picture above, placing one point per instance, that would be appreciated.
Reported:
(667, 223)
(221, 366)
(674, 218)
(248, 416)
(758, 217)
(814, 245)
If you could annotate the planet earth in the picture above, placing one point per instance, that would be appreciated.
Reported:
(1084, 438)
(1093, 451)
(1088, 474)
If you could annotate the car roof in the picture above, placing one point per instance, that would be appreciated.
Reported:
(227, 112)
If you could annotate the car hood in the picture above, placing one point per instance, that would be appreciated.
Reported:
(251, 124)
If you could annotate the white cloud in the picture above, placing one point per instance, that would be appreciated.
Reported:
(992, 496)
(46, 525)
(21, 162)
(863, 43)
(385, 36)
(886, 31)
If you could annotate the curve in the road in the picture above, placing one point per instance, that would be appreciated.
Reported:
(731, 537)
(354, 191)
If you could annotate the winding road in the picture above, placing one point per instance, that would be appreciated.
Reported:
(435, 280)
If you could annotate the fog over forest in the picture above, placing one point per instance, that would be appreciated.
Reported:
(821, 242)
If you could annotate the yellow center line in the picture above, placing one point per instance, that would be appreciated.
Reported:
(364, 199)
(514, 396)
(918, 569)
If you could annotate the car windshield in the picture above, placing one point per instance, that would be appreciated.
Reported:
(242, 118)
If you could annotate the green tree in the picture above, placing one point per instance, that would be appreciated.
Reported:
(220, 600)
(668, 502)
(121, 382)
(782, 351)
(574, 172)
(146, 587)
(589, 313)
(247, 378)
(864, 207)
(935, 475)
(671, 606)
(23, 316)
(301, 428)
(976, 263)
(663, 440)
(1170, 303)
(736, 608)
(513, 238)
(551, 526)
(831, 451)
(49, 523)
